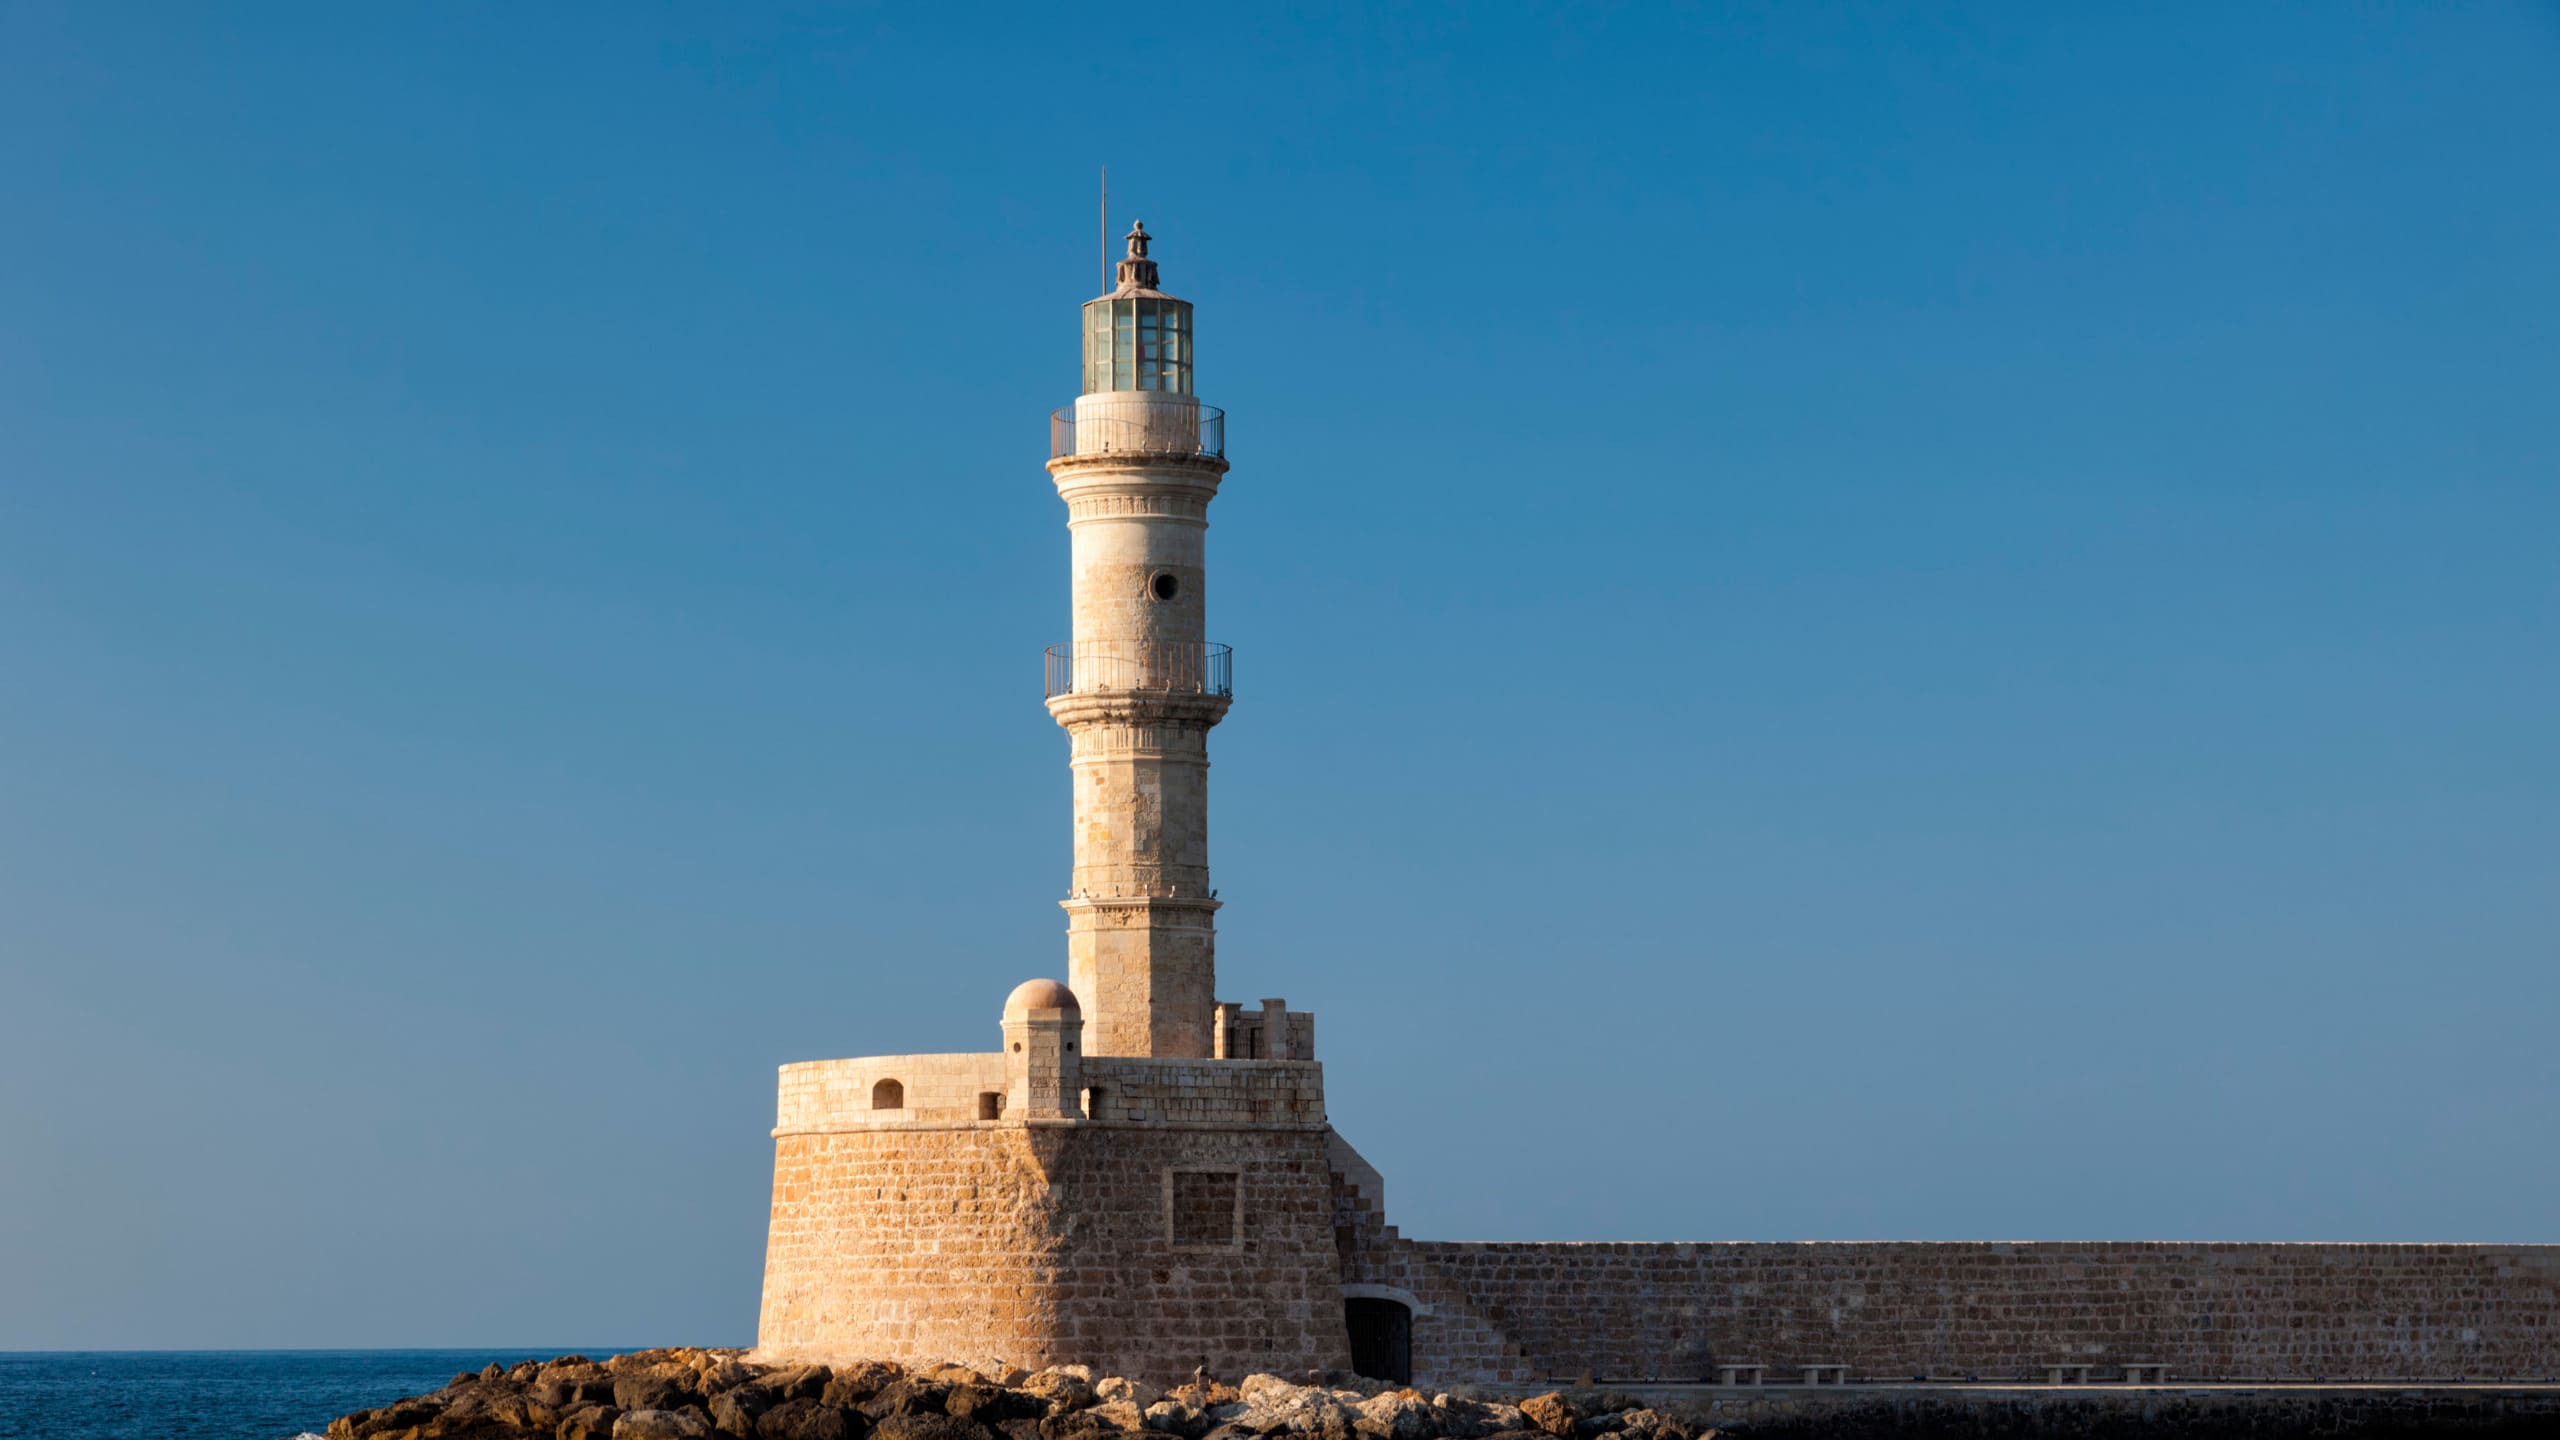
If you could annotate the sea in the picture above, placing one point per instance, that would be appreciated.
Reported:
(221, 1394)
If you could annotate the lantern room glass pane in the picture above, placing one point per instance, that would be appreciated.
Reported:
(1137, 344)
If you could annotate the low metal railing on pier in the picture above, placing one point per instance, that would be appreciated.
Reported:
(1175, 667)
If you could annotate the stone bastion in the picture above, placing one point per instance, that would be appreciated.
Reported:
(1033, 1206)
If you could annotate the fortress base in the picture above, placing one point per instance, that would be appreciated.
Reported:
(1143, 1252)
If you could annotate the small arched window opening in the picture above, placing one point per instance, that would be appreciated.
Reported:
(888, 1095)
(990, 1104)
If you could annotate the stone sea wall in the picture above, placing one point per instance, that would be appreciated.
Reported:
(2366, 1413)
(1890, 1310)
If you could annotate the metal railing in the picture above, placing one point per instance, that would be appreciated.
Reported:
(1165, 430)
(1176, 667)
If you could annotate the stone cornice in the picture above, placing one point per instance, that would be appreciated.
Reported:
(858, 1127)
(1079, 708)
(1184, 506)
(1121, 907)
(1079, 470)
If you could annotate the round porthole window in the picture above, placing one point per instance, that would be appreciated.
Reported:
(1164, 585)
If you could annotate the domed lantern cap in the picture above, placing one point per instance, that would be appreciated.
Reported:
(1033, 995)
(1137, 337)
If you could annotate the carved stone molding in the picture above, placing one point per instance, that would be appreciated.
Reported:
(1079, 709)
(1078, 470)
(1182, 744)
(1142, 912)
(1150, 502)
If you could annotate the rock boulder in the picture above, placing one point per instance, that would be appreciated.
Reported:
(799, 1382)
(807, 1419)
(1397, 1415)
(655, 1389)
(993, 1404)
(929, 1426)
(688, 1423)
(1136, 1392)
(735, 1410)
(588, 1422)
(1064, 1387)
(906, 1396)
(1552, 1413)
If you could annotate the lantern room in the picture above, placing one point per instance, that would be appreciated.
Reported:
(1137, 337)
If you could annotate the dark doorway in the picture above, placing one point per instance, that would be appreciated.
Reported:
(1381, 1339)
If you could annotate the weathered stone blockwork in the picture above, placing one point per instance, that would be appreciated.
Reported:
(1966, 1412)
(1899, 1309)
(1209, 1092)
(933, 1087)
(1006, 1244)
(1141, 926)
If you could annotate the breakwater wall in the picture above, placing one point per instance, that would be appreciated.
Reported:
(2150, 1413)
(1989, 1311)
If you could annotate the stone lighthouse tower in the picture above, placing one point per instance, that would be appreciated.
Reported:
(1140, 1178)
(1138, 459)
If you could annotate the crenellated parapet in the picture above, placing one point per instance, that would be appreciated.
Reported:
(1230, 1094)
(1042, 1077)
(876, 1091)
(1269, 1031)
(892, 1092)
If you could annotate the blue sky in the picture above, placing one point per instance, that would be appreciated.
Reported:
(1848, 622)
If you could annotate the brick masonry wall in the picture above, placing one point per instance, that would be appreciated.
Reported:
(1006, 1244)
(1897, 1309)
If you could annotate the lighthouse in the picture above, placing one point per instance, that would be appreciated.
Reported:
(1140, 1178)
(1137, 459)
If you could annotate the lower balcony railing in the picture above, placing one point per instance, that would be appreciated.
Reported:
(1150, 430)
(1174, 667)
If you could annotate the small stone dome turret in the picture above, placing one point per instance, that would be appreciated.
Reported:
(1033, 995)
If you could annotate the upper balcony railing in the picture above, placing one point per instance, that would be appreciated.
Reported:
(1172, 667)
(1157, 430)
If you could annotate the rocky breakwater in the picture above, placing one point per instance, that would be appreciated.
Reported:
(700, 1394)
(706, 1394)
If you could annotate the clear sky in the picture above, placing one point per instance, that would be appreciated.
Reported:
(1849, 622)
